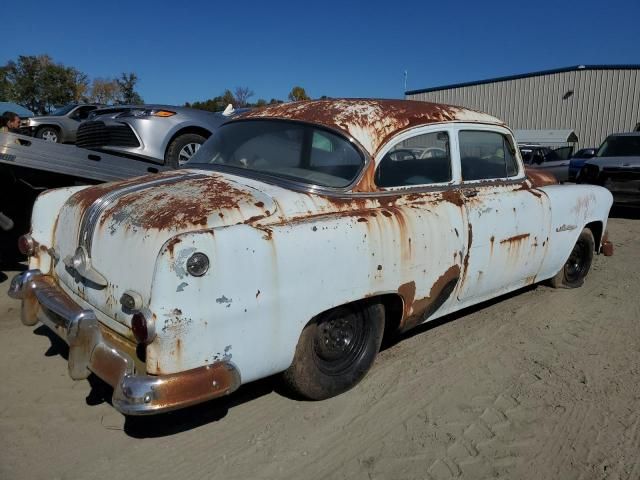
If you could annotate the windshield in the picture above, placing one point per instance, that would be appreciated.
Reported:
(621, 146)
(63, 110)
(284, 149)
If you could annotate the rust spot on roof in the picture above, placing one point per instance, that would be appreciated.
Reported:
(369, 121)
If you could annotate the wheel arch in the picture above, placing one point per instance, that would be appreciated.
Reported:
(392, 304)
(596, 230)
(183, 131)
(56, 127)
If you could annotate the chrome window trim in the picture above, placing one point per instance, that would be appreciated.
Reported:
(519, 177)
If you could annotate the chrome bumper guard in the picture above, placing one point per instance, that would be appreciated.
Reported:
(91, 351)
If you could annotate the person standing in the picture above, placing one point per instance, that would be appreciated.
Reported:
(9, 122)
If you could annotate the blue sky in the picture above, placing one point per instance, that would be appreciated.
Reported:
(193, 50)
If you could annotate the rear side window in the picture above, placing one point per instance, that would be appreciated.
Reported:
(420, 160)
(486, 155)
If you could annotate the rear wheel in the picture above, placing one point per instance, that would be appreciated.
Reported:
(182, 148)
(578, 264)
(336, 351)
(50, 134)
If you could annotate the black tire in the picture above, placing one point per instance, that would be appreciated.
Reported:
(336, 350)
(178, 147)
(50, 134)
(578, 264)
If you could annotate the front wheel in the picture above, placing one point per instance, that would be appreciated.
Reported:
(182, 148)
(336, 350)
(48, 134)
(578, 264)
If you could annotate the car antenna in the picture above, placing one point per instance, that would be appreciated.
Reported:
(228, 111)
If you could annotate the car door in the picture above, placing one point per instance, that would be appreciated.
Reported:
(508, 222)
(418, 180)
(76, 118)
(554, 161)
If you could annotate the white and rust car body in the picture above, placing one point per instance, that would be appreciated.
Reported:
(282, 252)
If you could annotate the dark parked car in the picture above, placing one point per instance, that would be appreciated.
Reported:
(162, 134)
(616, 166)
(61, 126)
(577, 161)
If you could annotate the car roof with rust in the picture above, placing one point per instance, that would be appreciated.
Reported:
(370, 121)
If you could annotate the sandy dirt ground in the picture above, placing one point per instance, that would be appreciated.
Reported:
(541, 384)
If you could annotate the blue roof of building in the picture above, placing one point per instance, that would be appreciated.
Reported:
(525, 75)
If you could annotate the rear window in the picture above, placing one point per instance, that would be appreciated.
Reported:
(290, 150)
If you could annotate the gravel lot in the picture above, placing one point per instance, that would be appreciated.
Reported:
(538, 384)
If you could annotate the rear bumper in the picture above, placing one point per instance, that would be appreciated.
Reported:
(94, 348)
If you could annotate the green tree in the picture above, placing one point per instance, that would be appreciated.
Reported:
(127, 89)
(227, 98)
(5, 85)
(80, 85)
(40, 84)
(297, 94)
(105, 90)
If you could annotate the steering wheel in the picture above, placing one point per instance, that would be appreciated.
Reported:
(401, 155)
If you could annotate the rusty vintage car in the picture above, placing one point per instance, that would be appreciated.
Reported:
(295, 239)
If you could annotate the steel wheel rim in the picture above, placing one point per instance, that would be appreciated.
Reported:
(49, 136)
(187, 152)
(576, 265)
(340, 341)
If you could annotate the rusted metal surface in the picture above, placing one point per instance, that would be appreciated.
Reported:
(279, 257)
(370, 122)
(189, 203)
(540, 178)
(606, 245)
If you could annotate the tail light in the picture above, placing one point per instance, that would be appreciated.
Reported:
(143, 329)
(26, 245)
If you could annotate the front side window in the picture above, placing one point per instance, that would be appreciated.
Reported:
(284, 149)
(421, 160)
(63, 110)
(486, 156)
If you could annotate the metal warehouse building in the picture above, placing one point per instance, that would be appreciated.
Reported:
(592, 100)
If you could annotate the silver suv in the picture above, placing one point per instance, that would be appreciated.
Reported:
(163, 134)
(61, 126)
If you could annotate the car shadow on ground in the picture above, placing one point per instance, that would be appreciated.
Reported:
(425, 327)
(625, 211)
(171, 423)
(10, 267)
